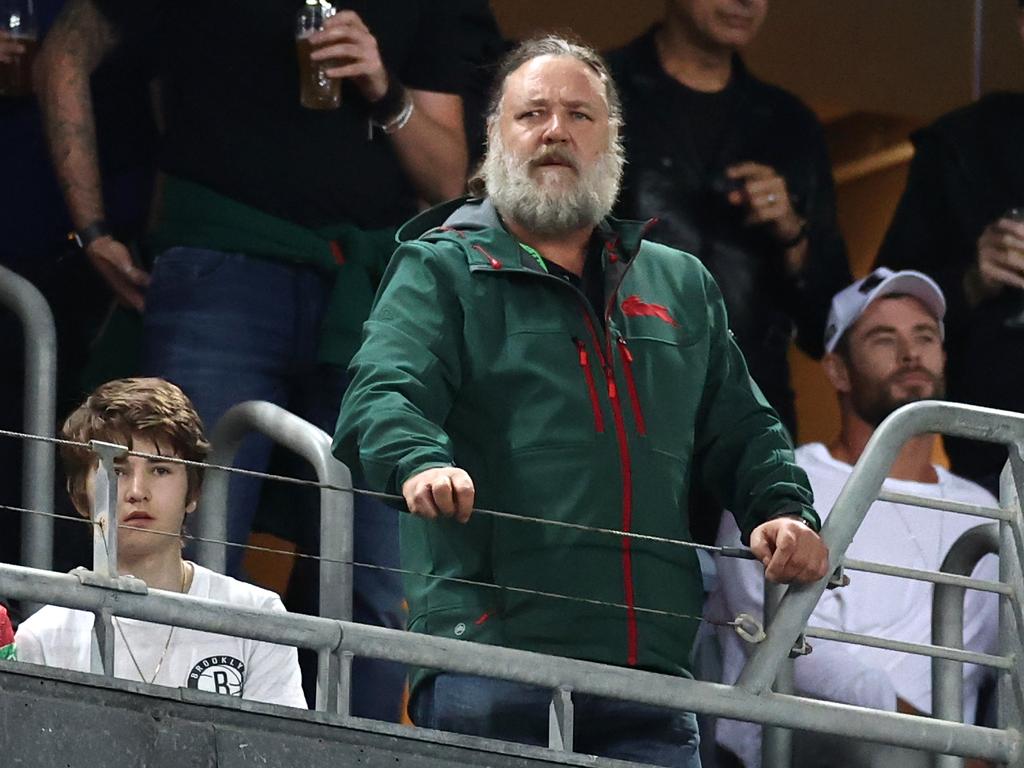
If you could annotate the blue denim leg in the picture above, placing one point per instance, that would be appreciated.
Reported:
(499, 709)
(228, 328)
(637, 732)
(482, 706)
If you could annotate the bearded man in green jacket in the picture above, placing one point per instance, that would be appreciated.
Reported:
(528, 353)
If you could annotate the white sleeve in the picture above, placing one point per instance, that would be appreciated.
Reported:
(830, 671)
(273, 674)
(27, 646)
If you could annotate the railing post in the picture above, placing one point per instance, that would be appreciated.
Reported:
(948, 627)
(40, 414)
(561, 719)
(104, 546)
(777, 743)
(1009, 689)
(332, 691)
(103, 649)
(104, 508)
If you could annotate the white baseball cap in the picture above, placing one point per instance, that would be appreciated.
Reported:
(849, 304)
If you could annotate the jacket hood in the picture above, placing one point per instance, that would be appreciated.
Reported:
(468, 214)
(461, 213)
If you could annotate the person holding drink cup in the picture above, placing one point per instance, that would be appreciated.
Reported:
(19, 39)
(275, 220)
(960, 222)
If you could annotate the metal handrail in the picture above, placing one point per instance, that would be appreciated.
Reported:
(314, 445)
(40, 413)
(851, 506)
(336, 511)
(948, 627)
(333, 638)
(106, 595)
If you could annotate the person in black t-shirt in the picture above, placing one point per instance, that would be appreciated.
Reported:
(961, 221)
(737, 174)
(273, 220)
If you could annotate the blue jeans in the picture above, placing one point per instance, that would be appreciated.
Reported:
(500, 709)
(227, 328)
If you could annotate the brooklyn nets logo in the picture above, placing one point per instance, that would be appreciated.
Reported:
(218, 674)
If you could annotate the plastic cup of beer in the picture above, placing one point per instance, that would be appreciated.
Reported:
(316, 90)
(17, 24)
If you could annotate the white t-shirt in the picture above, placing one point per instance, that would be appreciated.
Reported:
(873, 604)
(251, 669)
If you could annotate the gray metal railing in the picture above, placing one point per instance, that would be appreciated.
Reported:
(314, 445)
(770, 658)
(40, 413)
(563, 676)
(106, 595)
(948, 627)
(857, 496)
(336, 509)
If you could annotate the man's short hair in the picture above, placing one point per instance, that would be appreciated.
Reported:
(124, 410)
(554, 45)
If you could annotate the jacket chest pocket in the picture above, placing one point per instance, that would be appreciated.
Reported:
(663, 382)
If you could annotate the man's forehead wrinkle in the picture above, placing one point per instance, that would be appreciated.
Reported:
(534, 80)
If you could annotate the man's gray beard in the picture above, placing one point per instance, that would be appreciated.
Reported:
(544, 209)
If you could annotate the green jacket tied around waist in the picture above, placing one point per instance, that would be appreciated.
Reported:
(353, 258)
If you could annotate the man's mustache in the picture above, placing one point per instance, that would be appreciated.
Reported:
(550, 155)
(935, 378)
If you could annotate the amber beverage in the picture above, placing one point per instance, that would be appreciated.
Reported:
(316, 90)
(16, 75)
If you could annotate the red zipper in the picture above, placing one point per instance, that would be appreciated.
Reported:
(627, 496)
(634, 397)
(591, 386)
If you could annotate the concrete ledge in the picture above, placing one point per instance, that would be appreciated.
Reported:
(62, 719)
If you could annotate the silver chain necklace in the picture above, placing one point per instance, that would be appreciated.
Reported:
(163, 654)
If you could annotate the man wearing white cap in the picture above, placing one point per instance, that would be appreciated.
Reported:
(884, 349)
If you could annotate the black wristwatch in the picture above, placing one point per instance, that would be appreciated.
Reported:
(83, 237)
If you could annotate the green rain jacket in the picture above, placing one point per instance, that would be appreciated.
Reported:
(474, 356)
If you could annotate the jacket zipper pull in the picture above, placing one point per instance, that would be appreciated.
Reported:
(625, 350)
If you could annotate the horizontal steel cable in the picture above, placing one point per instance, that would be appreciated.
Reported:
(374, 566)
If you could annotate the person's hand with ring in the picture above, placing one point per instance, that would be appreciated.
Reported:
(763, 192)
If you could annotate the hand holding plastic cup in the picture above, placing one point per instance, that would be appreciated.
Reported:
(19, 40)
(316, 90)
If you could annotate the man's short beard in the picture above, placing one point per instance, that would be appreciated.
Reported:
(546, 210)
(872, 401)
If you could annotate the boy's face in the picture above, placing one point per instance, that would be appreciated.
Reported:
(152, 501)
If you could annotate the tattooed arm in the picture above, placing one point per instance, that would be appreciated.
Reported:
(76, 44)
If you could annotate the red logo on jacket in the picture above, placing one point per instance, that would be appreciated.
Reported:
(634, 306)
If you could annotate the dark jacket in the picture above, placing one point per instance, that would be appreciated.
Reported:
(968, 169)
(475, 356)
(666, 178)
